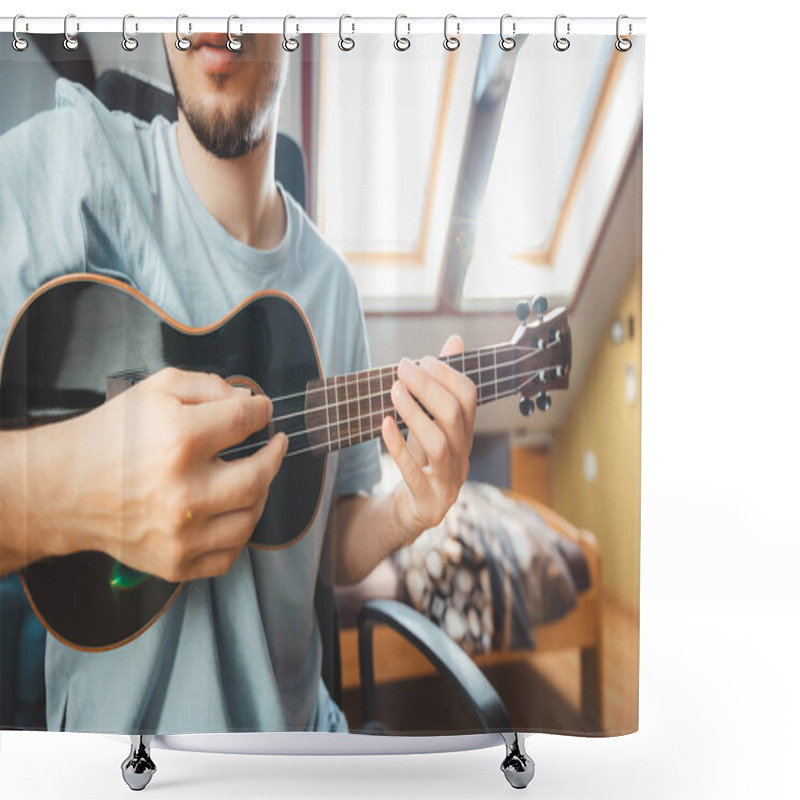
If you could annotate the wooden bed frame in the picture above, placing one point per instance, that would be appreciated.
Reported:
(397, 660)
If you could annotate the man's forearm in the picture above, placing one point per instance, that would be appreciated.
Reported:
(148, 500)
(26, 492)
(362, 531)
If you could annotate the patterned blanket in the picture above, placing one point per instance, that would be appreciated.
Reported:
(488, 573)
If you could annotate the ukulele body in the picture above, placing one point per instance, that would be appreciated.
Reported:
(80, 340)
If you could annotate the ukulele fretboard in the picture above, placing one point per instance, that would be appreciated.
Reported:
(349, 409)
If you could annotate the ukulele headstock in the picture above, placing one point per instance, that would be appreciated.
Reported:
(543, 353)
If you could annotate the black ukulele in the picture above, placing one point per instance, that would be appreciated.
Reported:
(82, 339)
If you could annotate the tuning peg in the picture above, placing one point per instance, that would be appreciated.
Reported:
(523, 310)
(526, 406)
(539, 305)
(543, 401)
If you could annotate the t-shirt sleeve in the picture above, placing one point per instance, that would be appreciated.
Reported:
(43, 185)
(359, 466)
(56, 170)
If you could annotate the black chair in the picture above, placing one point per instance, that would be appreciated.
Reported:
(127, 92)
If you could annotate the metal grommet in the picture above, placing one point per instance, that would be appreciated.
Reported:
(233, 44)
(401, 43)
(18, 43)
(129, 43)
(345, 42)
(507, 42)
(623, 45)
(70, 42)
(451, 42)
(561, 43)
(181, 42)
(290, 43)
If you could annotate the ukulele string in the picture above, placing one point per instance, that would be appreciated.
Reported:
(373, 431)
(381, 394)
(469, 354)
(326, 407)
(307, 431)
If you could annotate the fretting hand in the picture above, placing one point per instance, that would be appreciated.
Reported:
(434, 462)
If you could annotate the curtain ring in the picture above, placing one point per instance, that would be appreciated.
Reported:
(290, 43)
(451, 42)
(70, 42)
(401, 43)
(18, 43)
(561, 43)
(233, 44)
(623, 45)
(345, 42)
(181, 42)
(129, 43)
(507, 42)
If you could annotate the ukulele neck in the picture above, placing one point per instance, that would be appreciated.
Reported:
(349, 409)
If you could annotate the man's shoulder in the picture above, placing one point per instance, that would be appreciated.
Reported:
(86, 109)
(80, 127)
(70, 94)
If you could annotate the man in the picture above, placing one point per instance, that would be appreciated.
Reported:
(192, 217)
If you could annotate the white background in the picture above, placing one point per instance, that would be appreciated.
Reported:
(720, 607)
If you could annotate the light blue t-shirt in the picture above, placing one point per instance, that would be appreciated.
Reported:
(83, 189)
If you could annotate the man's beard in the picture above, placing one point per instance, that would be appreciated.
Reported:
(225, 135)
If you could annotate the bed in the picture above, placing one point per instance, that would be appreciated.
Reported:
(504, 576)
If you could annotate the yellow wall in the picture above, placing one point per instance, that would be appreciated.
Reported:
(601, 420)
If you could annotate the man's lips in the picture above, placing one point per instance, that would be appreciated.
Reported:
(210, 50)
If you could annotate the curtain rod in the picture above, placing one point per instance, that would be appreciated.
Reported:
(461, 26)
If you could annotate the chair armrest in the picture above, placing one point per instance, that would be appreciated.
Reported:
(448, 658)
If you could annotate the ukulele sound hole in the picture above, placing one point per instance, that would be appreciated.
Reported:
(249, 445)
(243, 382)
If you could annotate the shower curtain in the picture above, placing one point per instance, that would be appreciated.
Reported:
(428, 258)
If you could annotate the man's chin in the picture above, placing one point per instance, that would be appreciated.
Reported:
(226, 135)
